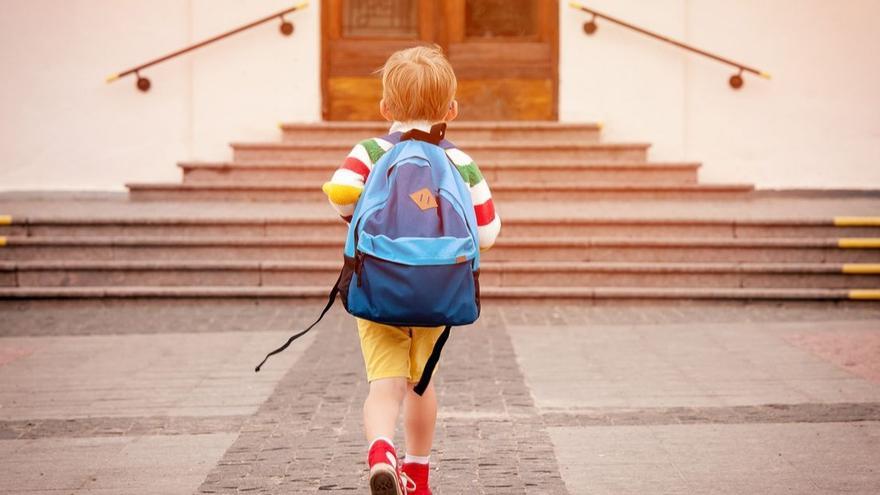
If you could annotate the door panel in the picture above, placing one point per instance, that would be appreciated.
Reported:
(504, 53)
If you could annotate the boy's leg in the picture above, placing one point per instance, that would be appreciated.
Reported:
(386, 354)
(420, 413)
(383, 406)
(420, 418)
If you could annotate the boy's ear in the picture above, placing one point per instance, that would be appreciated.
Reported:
(383, 110)
(453, 111)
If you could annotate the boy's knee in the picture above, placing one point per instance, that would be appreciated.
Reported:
(394, 388)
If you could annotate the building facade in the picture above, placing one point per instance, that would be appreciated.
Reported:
(816, 123)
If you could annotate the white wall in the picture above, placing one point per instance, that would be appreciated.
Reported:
(63, 127)
(815, 124)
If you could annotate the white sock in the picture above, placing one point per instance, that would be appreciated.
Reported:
(415, 458)
(382, 438)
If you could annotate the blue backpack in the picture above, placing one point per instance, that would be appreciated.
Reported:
(412, 254)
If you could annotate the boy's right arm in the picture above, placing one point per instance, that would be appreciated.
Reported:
(344, 188)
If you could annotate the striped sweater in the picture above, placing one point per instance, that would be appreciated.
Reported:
(344, 188)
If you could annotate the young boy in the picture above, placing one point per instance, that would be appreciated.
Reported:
(418, 90)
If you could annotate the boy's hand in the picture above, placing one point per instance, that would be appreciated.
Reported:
(342, 194)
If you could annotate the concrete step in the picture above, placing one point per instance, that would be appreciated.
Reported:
(521, 131)
(492, 274)
(480, 151)
(607, 249)
(531, 172)
(514, 227)
(543, 294)
(311, 191)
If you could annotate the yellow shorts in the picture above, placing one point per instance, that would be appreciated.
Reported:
(391, 351)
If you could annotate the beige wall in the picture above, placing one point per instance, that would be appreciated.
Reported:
(62, 127)
(816, 124)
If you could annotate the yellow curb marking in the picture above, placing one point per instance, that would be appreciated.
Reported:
(864, 294)
(857, 242)
(861, 268)
(2, 241)
(5, 219)
(857, 221)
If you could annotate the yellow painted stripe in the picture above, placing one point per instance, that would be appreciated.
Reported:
(2, 241)
(5, 219)
(857, 221)
(859, 242)
(861, 268)
(865, 294)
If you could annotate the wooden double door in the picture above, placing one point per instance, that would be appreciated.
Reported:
(504, 53)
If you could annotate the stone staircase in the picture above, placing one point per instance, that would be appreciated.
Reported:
(546, 178)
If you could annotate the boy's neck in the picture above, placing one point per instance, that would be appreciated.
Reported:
(403, 126)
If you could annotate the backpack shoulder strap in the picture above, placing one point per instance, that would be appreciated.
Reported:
(432, 362)
(330, 301)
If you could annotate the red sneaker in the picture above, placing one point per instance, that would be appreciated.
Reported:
(418, 474)
(385, 476)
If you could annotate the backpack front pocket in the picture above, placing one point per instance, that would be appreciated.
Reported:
(413, 295)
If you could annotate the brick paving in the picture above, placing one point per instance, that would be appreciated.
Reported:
(308, 436)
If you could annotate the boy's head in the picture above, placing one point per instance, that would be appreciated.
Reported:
(418, 84)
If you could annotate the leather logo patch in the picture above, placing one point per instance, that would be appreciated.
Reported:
(424, 199)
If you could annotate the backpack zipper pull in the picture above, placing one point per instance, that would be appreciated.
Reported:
(358, 266)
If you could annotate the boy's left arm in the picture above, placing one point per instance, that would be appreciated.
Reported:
(488, 221)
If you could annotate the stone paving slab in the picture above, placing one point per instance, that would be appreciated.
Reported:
(149, 465)
(721, 459)
(177, 374)
(103, 204)
(685, 365)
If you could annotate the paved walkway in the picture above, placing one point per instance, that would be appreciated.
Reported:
(159, 397)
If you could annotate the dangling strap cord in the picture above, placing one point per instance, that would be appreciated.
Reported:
(432, 362)
(330, 302)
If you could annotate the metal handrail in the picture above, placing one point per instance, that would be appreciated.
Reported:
(144, 84)
(735, 81)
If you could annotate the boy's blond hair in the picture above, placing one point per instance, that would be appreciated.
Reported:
(418, 84)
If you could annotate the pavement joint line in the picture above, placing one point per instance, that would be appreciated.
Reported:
(747, 414)
(110, 426)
